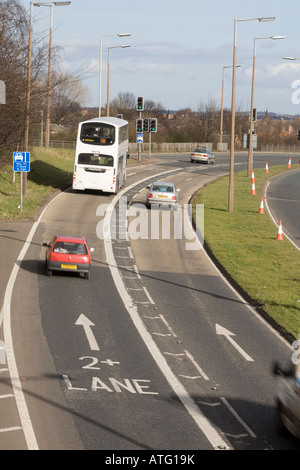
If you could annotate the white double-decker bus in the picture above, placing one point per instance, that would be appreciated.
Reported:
(101, 154)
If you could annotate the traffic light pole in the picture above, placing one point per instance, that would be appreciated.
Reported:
(149, 144)
(139, 144)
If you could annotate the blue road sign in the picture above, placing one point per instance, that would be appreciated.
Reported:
(139, 138)
(22, 161)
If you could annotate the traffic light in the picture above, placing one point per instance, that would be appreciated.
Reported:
(299, 134)
(139, 125)
(254, 115)
(140, 103)
(146, 125)
(153, 125)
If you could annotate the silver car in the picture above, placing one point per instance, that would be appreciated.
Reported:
(202, 155)
(287, 400)
(163, 194)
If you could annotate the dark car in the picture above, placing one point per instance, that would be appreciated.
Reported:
(70, 254)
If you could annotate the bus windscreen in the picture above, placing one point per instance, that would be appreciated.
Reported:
(97, 133)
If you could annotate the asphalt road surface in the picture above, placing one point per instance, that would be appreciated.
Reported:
(283, 195)
(154, 352)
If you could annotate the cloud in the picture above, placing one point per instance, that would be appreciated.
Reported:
(284, 67)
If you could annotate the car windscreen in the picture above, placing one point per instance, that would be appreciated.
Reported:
(95, 159)
(97, 133)
(162, 188)
(70, 248)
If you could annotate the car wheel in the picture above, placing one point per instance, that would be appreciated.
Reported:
(49, 272)
(87, 275)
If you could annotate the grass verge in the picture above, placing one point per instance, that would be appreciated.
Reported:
(49, 169)
(245, 244)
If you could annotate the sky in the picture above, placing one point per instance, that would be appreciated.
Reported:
(178, 50)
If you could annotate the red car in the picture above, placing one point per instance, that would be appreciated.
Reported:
(70, 254)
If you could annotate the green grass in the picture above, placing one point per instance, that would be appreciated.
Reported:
(49, 169)
(245, 243)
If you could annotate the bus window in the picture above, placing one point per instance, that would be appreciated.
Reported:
(95, 159)
(97, 133)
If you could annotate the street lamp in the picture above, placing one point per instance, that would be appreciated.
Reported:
(108, 49)
(28, 83)
(49, 4)
(250, 150)
(231, 171)
(120, 35)
(222, 101)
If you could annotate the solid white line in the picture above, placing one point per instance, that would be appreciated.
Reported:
(202, 422)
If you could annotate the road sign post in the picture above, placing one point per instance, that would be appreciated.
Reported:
(21, 163)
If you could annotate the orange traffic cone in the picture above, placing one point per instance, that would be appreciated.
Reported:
(261, 208)
(253, 189)
(267, 168)
(253, 178)
(279, 234)
(290, 163)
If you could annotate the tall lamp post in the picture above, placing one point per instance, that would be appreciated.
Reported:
(120, 35)
(108, 49)
(222, 101)
(49, 4)
(250, 150)
(232, 137)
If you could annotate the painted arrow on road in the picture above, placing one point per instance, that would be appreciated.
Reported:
(222, 331)
(86, 323)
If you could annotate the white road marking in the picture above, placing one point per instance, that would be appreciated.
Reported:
(14, 428)
(222, 331)
(196, 365)
(86, 323)
(168, 326)
(202, 422)
(191, 378)
(240, 420)
(149, 296)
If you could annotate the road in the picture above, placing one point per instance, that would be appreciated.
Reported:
(283, 196)
(154, 352)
